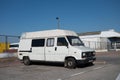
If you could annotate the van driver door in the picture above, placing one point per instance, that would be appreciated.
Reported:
(61, 49)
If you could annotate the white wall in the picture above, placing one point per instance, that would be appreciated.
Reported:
(99, 41)
(95, 42)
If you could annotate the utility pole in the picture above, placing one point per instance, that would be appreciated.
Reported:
(58, 23)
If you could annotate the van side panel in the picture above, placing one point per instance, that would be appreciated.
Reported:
(37, 53)
(38, 49)
(24, 48)
(25, 45)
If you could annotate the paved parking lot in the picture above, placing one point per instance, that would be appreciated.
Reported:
(106, 67)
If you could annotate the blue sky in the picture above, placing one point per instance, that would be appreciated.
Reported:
(18, 16)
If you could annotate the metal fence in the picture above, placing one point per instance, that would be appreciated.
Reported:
(6, 40)
(102, 45)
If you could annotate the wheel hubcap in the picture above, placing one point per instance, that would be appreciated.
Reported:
(70, 63)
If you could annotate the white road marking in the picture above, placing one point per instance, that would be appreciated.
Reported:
(98, 68)
(118, 77)
(83, 73)
(77, 74)
(59, 79)
(86, 71)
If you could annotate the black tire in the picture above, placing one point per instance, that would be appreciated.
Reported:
(26, 61)
(70, 63)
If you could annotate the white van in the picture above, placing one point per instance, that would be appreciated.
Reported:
(54, 46)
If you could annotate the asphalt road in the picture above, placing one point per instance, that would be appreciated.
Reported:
(106, 67)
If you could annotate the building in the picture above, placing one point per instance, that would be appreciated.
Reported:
(101, 40)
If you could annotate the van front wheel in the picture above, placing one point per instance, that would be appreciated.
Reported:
(26, 61)
(70, 63)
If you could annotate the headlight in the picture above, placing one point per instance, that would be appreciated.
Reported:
(94, 53)
(83, 55)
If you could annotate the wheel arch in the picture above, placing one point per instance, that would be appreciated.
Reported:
(70, 57)
(25, 57)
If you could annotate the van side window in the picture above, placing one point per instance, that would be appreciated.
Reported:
(50, 42)
(38, 42)
(61, 42)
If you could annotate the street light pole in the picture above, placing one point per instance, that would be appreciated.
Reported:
(57, 18)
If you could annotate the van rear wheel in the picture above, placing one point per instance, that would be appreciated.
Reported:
(70, 63)
(26, 61)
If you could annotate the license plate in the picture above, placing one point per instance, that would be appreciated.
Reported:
(90, 60)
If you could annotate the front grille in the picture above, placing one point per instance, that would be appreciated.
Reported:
(89, 54)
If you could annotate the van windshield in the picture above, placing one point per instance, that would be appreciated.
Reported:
(75, 41)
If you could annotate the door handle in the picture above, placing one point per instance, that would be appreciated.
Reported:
(30, 49)
(55, 48)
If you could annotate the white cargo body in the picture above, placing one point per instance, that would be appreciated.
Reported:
(54, 46)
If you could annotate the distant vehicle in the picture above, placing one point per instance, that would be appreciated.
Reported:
(54, 46)
(14, 46)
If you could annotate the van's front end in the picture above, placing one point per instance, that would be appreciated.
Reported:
(87, 55)
(80, 53)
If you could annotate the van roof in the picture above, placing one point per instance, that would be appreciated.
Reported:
(48, 33)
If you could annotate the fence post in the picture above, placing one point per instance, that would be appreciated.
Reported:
(115, 46)
(6, 43)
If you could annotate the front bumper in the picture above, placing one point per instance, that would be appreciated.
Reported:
(86, 60)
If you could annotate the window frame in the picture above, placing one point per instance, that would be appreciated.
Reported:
(38, 43)
(52, 41)
(66, 44)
